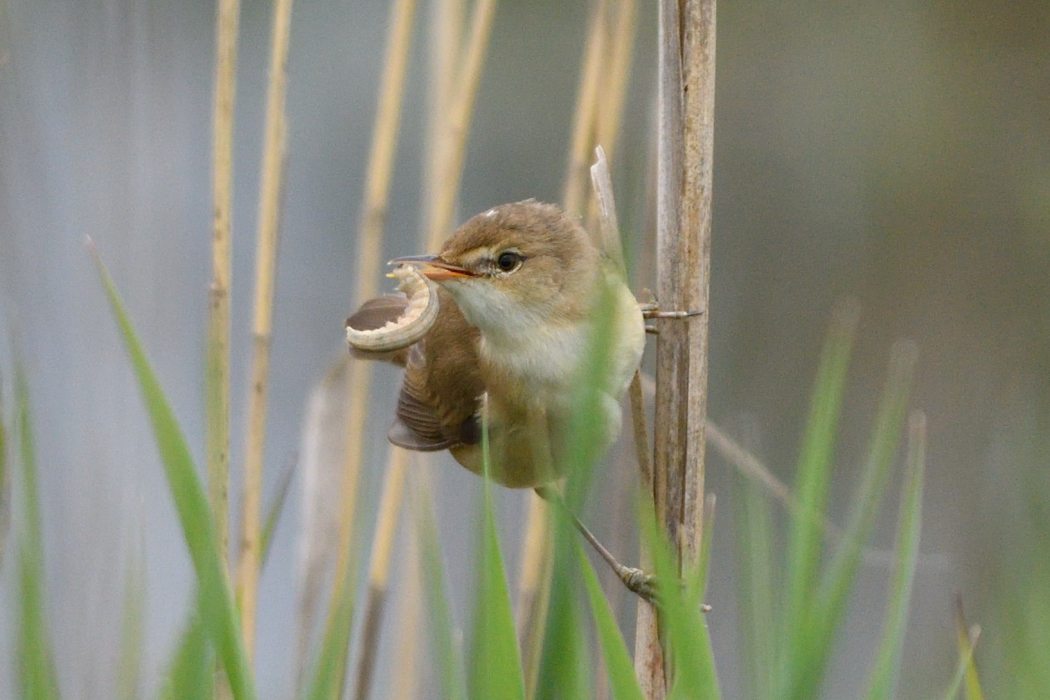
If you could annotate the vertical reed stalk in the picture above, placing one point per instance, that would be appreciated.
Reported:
(574, 192)
(614, 88)
(217, 383)
(684, 175)
(405, 685)
(270, 196)
(373, 220)
(380, 168)
(379, 567)
(618, 68)
(453, 147)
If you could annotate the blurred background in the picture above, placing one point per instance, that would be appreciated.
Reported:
(896, 152)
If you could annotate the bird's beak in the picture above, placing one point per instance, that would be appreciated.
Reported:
(435, 268)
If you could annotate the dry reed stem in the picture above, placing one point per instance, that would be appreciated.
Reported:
(379, 567)
(684, 175)
(698, 66)
(380, 167)
(461, 108)
(614, 88)
(270, 196)
(409, 633)
(446, 32)
(608, 229)
(575, 189)
(217, 402)
(648, 653)
(534, 553)
(614, 83)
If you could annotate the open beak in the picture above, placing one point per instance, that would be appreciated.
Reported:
(434, 268)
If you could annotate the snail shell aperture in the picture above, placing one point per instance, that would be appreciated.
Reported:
(411, 326)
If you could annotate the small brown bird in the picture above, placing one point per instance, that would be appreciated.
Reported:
(505, 311)
(516, 292)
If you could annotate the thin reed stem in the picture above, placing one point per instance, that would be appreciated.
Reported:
(270, 199)
(615, 76)
(446, 37)
(217, 382)
(574, 193)
(379, 567)
(405, 685)
(614, 88)
(454, 141)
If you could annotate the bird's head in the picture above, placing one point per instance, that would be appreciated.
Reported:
(516, 268)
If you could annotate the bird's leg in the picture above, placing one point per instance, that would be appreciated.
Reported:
(637, 581)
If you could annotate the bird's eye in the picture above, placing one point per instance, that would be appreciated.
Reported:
(508, 260)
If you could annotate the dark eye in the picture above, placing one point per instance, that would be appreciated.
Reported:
(508, 260)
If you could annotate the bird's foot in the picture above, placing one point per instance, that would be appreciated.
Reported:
(639, 582)
(645, 586)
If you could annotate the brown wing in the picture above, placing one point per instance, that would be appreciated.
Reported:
(439, 393)
(376, 313)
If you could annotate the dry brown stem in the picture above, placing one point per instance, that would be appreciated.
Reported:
(379, 567)
(270, 196)
(575, 191)
(405, 685)
(217, 402)
(684, 174)
(452, 146)
(380, 167)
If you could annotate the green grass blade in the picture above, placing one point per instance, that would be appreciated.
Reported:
(495, 668)
(445, 649)
(190, 673)
(565, 663)
(693, 664)
(884, 677)
(967, 644)
(819, 628)
(330, 669)
(966, 639)
(36, 670)
(812, 479)
(217, 608)
(622, 681)
(129, 665)
(755, 594)
(273, 513)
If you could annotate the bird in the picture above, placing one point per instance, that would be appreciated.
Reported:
(516, 289)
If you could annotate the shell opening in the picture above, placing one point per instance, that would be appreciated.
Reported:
(418, 317)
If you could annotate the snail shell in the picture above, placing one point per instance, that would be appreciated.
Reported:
(419, 315)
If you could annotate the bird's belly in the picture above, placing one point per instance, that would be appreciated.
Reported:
(537, 368)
